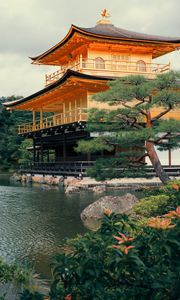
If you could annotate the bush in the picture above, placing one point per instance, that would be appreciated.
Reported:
(152, 206)
(27, 295)
(156, 201)
(111, 264)
(20, 278)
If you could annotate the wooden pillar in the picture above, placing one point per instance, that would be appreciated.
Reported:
(170, 157)
(81, 61)
(41, 118)
(37, 155)
(75, 110)
(70, 112)
(42, 152)
(34, 120)
(64, 114)
(34, 151)
(48, 155)
(54, 120)
(57, 153)
(64, 149)
(80, 112)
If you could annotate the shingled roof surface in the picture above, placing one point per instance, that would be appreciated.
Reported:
(116, 32)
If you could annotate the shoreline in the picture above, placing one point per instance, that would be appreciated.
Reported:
(76, 184)
(86, 182)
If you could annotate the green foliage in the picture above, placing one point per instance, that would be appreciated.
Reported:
(25, 155)
(10, 141)
(27, 295)
(17, 276)
(117, 167)
(143, 267)
(159, 201)
(98, 144)
(172, 189)
(130, 124)
(151, 206)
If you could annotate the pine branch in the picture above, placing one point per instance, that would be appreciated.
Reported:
(143, 112)
(130, 122)
(167, 136)
(139, 103)
(125, 105)
(143, 156)
(162, 113)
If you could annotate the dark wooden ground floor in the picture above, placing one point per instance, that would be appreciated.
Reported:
(53, 152)
(77, 168)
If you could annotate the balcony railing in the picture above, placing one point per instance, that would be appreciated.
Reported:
(110, 68)
(77, 115)
(72, 168)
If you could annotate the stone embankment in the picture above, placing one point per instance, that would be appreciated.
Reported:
(72, 184)
(28, 178)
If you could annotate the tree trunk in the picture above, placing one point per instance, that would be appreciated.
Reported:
(156, 162)
(150, 148)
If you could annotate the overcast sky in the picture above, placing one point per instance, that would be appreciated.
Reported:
(29, 27)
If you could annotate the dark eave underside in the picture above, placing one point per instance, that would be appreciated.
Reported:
(68, 74)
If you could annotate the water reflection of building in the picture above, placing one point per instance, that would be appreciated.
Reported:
(86, 59)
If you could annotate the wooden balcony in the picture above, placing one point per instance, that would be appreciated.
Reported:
(77, 115)
(110, 68)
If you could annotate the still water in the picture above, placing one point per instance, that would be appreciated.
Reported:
(36, 221)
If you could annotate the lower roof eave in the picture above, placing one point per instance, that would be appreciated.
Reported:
(69, 73)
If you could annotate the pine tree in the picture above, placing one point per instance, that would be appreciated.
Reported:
(129, 126)
(10, 141)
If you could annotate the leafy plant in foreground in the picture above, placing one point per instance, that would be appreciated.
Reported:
(122, 261)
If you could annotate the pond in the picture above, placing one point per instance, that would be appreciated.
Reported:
(36, 221)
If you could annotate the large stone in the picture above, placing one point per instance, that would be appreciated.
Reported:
(99, 189)
(71, 189)
(15, 177)
(92, 214)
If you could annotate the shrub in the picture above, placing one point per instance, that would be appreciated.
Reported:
(156, 201)
(121, 261)
(152, 206)
(27, 295)
(20, 278)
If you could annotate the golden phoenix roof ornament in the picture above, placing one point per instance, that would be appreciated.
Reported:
(105, 13)
(105, 17)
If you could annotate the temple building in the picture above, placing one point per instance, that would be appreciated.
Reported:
(86, 59)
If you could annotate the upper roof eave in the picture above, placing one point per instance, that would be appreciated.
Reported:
(146, 38)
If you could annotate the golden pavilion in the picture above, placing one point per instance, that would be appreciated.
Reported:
(86, 59)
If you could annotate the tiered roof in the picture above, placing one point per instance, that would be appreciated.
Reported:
(109, 33)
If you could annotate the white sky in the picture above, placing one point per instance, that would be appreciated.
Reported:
(29, 27)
